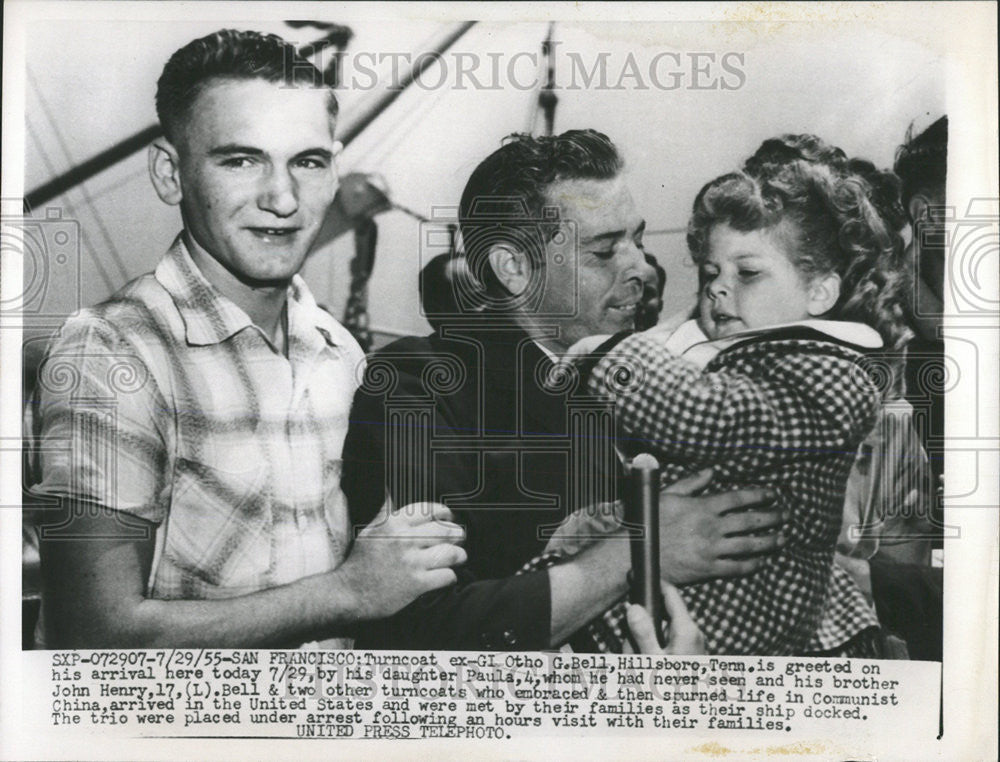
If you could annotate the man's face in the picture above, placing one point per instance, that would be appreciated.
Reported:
(749, 282)
(257, 176)
(599, 286)
(652, 303)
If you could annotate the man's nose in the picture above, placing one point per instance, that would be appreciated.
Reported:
(279, 194)
(636, 268)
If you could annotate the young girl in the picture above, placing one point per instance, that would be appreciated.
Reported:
(800, 278)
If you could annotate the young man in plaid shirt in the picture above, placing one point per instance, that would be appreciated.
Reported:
(191, 426)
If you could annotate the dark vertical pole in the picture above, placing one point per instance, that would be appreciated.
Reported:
(547, 98)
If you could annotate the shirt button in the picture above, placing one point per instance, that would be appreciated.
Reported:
(509, 638)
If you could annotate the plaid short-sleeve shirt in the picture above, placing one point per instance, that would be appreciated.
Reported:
(166, 402)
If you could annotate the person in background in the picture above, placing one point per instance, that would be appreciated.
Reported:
(447, 289)
(908, 588)
(651, 305)
(922, 166)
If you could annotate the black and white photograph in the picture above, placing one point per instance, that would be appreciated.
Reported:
(571, 380)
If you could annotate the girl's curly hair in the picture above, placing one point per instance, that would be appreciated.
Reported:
(827, 219)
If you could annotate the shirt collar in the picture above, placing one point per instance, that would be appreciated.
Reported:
(211, 318)
(548, 352)
(307, 321)
(689, 340)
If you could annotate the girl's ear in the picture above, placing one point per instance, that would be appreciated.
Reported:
(824, 291)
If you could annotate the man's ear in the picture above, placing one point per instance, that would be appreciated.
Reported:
(824, 291)
(511, 267)
(164, 171)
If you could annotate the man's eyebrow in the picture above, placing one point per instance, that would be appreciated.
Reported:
(232, 148)
(613, 235)
(324, 153)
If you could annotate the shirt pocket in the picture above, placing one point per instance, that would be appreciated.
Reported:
(218, 530)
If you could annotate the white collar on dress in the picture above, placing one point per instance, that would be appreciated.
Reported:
(688, 340)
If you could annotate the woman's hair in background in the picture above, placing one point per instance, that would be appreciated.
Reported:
(774, 153)
(832, 226)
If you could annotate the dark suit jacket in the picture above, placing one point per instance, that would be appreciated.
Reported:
(464, 417)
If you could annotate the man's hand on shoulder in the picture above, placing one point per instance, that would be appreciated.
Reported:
(399, 556)
(702, 538)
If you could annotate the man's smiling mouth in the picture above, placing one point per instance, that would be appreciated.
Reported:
(628, 309)
(273, 234)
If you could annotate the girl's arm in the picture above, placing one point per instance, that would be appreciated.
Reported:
(779, 401)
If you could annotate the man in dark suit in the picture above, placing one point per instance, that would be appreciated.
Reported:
(473, 416)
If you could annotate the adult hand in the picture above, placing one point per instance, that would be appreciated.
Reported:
(401, 555)
(684, 637)
(702, 538)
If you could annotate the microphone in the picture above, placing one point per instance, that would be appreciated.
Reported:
(642, 517)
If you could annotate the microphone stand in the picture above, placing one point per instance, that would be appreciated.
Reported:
(642, 519)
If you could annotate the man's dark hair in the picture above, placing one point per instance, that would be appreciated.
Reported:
(922, 161)
(505, 198)
(233, 55)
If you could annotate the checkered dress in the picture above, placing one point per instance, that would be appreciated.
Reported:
(787, 413)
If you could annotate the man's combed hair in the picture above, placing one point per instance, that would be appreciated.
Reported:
(234, 55)
(833, 228)
(505, 198)
(922, 161)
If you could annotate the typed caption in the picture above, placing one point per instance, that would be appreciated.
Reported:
(384, 695)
